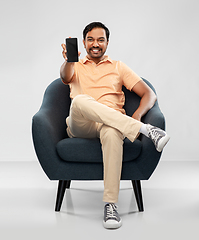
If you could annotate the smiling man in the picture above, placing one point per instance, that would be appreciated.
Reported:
(97, 109)
(96, 44)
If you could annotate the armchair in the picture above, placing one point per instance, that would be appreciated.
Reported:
(65, 159)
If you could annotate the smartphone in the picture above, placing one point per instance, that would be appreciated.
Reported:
(72, 50)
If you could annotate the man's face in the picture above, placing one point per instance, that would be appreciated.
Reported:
(96, 44)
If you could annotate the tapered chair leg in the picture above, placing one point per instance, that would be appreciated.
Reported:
(138, 194)
(63, 184)
(68, 184)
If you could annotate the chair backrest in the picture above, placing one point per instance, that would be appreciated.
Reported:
(58, 94)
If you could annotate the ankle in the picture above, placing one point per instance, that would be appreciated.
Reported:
(144, 130)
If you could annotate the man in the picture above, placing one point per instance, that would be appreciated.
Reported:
(97, 109)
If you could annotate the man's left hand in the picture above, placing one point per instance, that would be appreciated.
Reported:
(136, 116)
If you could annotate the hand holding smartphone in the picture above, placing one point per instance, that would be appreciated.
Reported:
(72, 50)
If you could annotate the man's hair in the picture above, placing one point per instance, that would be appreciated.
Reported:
(93, 25)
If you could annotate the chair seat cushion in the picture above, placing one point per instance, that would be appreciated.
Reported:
(89, 150)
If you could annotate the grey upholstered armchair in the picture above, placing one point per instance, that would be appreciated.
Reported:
(65, 159)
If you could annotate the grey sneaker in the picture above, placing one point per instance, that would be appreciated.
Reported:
(158, 136)
(111, 217)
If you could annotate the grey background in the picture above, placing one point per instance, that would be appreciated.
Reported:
(157, 39)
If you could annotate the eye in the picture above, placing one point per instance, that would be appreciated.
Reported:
(101, 40)
(90, 40)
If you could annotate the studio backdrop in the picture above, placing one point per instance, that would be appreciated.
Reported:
(157, 39)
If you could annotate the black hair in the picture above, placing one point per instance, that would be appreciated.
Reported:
(93, 25)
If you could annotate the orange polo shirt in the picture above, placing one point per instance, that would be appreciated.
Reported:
(103, 81)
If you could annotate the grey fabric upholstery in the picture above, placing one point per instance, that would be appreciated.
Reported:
(67, 150)
(63, 158)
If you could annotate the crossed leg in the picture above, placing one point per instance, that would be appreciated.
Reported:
(90, 119)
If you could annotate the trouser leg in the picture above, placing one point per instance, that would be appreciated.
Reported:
(90, 119)
(86, 114)
(112, 148)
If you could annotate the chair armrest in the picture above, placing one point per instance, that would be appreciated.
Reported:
(49, 126)
(149, 157)
(46, 134)
(155, 117)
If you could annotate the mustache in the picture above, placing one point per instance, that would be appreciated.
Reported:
(95, 48)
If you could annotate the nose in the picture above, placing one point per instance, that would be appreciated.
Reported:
(95, 43)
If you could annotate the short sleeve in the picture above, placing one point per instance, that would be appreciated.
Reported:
(128, 76)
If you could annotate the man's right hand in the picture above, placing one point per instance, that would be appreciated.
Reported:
(67, 68)
(64, 51)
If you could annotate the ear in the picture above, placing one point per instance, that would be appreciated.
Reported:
(84, 43)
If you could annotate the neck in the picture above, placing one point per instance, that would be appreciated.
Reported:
(96, 60)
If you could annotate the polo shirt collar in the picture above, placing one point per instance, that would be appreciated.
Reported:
(106, 59)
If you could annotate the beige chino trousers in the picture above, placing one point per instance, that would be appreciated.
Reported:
(90, 119)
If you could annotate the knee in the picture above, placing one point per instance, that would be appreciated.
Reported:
(80, 99)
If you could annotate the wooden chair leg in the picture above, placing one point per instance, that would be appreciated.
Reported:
(63, 184)
(138, 194)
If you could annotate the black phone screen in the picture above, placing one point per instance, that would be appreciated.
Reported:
(72, 49)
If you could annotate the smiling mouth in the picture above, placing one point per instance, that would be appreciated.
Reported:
(95, 50)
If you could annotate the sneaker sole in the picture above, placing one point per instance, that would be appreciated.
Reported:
(112, 224)
(162, 143)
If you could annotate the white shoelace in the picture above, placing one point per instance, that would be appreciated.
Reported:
(112, 211)
(154, 135)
